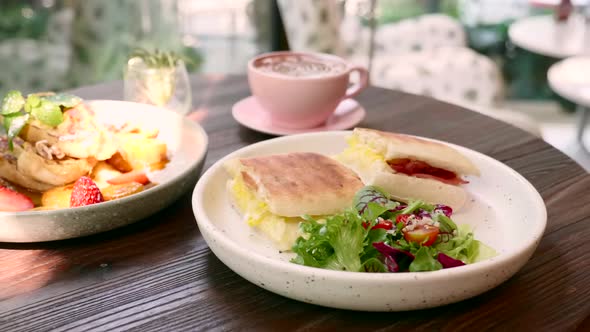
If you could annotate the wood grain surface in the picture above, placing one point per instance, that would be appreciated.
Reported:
(159, 275)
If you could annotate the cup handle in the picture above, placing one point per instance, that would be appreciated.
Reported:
(361, 85)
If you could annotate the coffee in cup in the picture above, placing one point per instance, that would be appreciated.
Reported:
(301, 90)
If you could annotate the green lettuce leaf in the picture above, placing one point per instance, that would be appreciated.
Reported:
(424, 261)
(465, 247)
(346, 235)
(374, 235)
(373, 211)
(416, 205)
(313, 249)
(374, 265)
(336, 244)
(447, 225)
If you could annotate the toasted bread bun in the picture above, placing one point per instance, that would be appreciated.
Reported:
(296, 184)
(393, 146)
(407, 188)
(374, 148)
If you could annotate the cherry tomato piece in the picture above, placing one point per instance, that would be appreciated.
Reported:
(422, 234)
(384, 224)
(403, 218)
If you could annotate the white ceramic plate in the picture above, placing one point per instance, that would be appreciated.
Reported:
(187, 146)
(506, 213)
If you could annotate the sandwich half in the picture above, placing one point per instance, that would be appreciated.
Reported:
(273, 192)
(408, 167)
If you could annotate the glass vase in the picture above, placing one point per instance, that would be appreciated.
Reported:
(166, 87)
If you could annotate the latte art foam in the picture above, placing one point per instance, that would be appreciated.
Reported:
(300, 66)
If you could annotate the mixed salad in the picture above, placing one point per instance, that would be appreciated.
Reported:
(379, 234)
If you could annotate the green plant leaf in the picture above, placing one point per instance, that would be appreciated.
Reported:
(13, 102)
(32, 102)
(373, 211)
(373, 265)
(369, 194)
(48, 113)
(157, 58)
(446, 224)
(64, 99)
(14, 123)
(416, 205)
(424, 261)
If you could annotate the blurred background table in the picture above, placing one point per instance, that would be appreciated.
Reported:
(570, 78)
(159, 274)
(542, 35)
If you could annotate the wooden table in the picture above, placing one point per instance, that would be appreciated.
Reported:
(159, 274)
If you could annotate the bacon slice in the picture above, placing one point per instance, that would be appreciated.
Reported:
(423, 170)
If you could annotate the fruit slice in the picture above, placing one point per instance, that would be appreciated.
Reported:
(57, 198)
(139, 151)
(118, 162)
(85, 192)
(12, 201)
(116, 191)
(138, 176)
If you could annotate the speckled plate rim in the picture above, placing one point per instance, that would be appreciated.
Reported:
(466, 270)
(122, 201)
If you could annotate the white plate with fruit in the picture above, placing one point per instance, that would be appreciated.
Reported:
(71, 168)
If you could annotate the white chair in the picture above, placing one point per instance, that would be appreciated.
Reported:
(426, 55)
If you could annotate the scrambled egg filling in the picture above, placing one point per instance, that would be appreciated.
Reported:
(362, 155)
(282, 230)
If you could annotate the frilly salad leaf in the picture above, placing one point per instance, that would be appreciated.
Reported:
(375, 235)
(314, 249)
(46, 107)
(336, 244)
(465, 247)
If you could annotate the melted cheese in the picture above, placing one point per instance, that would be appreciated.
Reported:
(283, 231)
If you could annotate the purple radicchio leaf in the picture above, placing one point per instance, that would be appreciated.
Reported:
(395, 259)
(422, 213)
(399, 208)
(391, 264)
(446, 210)
(448, 262)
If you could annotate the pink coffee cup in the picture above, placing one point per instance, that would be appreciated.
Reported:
(301, 90)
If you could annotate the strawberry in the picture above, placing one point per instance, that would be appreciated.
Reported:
(138, 176)
(85, 192)
(12, 201)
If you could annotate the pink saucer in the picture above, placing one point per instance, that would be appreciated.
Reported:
(250, 114)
